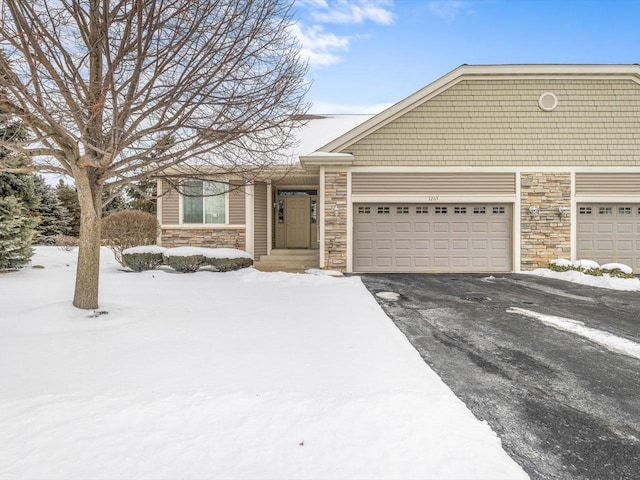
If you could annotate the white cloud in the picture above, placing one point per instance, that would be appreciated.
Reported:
(319, 47)
(343, 108)
(323, 48)
(350, 12)
(448, 9)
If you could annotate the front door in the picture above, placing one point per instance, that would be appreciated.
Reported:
(298, 222)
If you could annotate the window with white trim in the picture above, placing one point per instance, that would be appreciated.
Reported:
(204, 202)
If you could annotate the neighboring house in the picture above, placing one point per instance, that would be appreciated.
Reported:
(488, 169)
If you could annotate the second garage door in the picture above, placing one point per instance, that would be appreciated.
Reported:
(432, 238)
(610, 233)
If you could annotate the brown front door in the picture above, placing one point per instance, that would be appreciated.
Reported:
(298, 222)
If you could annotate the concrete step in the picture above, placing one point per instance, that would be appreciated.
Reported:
(274, 264)
(288, 260)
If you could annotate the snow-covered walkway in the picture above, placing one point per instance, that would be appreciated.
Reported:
(210, 375)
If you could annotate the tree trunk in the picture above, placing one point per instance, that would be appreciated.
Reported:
(88, 272)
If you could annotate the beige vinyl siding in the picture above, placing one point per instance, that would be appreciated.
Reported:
(297, 180)
(170, 205)
(607, 183)
(236, 204)
(260, 219)
(498, 122)
(366, 183)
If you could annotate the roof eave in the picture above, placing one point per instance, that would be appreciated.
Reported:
(319, 159)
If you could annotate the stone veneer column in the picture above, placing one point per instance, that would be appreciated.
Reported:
(335, 226)
(547, 236)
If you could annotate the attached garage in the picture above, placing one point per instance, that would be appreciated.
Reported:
(609, 232)
(432, 237)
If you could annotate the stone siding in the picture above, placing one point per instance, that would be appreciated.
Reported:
(546, 236)
(335, 226)
(205, 237)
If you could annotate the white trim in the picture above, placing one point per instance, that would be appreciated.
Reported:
(226, 207)
(321, 217)
(608, 199)
(573, 219)
(350, 235)
(159, 193)
(269, 218)
(249, 219)
(550, 107)
(517, 226)
(297, 187)
(495, 169)
(204, 226)
(433, 198)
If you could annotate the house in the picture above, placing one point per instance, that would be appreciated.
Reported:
(492, 168)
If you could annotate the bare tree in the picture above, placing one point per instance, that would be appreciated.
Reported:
(115, 91)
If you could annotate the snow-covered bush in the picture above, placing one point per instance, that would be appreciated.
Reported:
(618, 270)
(561, 265)
(586, 265)
(589, 267)
(189, 259)
(141, 258)
(186, 263)
(229, 264)
(127, 229)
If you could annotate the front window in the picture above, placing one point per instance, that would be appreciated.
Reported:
(203, 202)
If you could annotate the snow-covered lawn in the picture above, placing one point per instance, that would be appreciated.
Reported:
(221, 375)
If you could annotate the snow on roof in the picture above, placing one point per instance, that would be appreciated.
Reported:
(321, 129)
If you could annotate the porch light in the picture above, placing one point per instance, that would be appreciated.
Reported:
(563, 212)
(534, 211)
(336, 211)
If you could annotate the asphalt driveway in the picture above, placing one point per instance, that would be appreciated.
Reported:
(564, 407)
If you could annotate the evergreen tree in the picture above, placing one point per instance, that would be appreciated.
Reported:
(17, 199)
(116, 204)
(16, 232)
(54, 218)
(69, 199)
(142, 195)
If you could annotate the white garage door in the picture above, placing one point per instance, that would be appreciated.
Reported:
(432, 238)
(610, 233)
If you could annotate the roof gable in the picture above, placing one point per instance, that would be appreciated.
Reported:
(477, 72)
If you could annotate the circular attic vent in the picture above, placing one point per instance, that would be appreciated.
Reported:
(548, 101)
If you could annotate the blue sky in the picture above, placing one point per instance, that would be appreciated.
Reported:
(367, 54)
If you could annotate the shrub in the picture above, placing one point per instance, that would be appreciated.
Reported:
(139, 262)
(556, 267)
(185, 263)
(594, 272)
(66, 242)
(128, 228)
(229, 264)
(616, 272)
